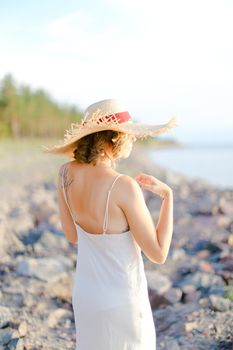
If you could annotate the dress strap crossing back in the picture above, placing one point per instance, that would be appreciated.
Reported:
(107, 203)
(105, 224)
(63, 187)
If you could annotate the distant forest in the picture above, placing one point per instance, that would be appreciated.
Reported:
(32, 113)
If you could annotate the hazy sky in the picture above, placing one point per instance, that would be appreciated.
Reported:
(160, 58)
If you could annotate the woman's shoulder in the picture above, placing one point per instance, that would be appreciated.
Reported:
(74, 166)
(68, 168)
(128, 185)
(64, 167)
(125, 178)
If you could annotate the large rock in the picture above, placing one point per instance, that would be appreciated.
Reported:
(205, 245)
(5, 316)
(173, 295)
(169, 344)
(42, 205)
(158, 282)
(22, 225)
(9, 241)
(177, 254)
(201, 280)
(220, 304)
(61, 317)
(157, 300)
(46, 269)
(205, 204)
(62, 288)
(49, 242)
(226, 206)
(5, 335)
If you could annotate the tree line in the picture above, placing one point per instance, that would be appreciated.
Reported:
(25, 112)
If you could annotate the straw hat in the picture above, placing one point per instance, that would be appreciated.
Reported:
(105, 115)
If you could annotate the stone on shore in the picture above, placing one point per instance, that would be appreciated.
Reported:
(46, 269)
(5, 316)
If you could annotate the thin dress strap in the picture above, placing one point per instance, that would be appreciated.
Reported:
(63, 187)
(106, 209)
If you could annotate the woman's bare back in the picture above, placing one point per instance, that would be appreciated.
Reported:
(87, 195)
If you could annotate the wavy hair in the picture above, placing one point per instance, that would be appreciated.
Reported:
(90, 147)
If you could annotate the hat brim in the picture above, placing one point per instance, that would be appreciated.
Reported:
(139, 130)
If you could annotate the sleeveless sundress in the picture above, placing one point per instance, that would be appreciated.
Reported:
(110, 293)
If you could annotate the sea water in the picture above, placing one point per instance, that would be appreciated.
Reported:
(211, 163)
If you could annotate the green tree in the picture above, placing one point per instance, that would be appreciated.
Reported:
(24, 112)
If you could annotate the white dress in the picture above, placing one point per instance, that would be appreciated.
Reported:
(110, 296)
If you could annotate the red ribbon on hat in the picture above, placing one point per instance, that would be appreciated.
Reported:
(122, 117)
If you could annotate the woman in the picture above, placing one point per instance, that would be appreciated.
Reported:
(105, 214)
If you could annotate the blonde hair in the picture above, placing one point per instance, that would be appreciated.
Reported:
(90, 147)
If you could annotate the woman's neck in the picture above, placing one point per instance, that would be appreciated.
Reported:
(104, 164)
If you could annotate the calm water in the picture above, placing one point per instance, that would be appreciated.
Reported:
(214, 164)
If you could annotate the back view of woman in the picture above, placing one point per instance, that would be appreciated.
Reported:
(105, 214)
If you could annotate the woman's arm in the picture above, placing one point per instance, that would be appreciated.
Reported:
(164, 227)
(66, 219)
(154, 241)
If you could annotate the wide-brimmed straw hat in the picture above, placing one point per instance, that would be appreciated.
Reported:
(105, 115)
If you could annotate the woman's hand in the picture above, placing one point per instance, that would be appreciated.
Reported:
(153, 184)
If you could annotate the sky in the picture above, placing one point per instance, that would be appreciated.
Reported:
(159, 58)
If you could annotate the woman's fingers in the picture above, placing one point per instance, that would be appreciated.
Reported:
(151, 183)
(141, 176)
(146, 180)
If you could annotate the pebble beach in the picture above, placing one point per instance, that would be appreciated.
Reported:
(191, 294)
